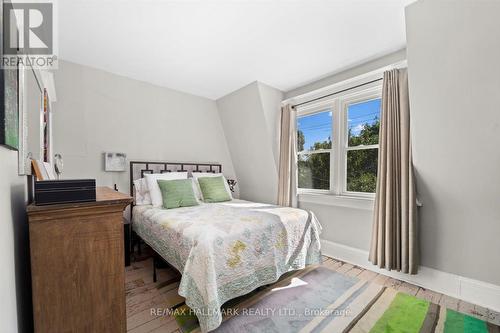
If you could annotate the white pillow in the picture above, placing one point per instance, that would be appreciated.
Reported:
(142, 196)
(154, 188)
(197, 188)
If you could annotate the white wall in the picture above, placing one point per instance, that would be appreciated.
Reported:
(97, 111)
(250, 117)
(15, 287)
(454, 75)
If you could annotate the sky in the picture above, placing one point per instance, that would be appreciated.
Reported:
(318, 127)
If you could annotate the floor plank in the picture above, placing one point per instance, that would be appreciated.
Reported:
(137, 265)
(494, 317)
(167, 327)
(325, 258)
(165, 300)
(429, 295)
(380, 279)
(393, 283)
(367, 275)
(408, 288)
(353, 272)
(159, 324)
(149, 293)
(481, 312)
(344, 268)
(466, 307)
(139, 319)
(449, 302)
(333, 264)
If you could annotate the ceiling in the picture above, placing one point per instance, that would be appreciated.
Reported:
(211, 48)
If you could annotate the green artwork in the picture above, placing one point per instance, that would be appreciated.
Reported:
(9, 114)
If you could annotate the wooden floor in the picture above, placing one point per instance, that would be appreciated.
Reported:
(143, 295)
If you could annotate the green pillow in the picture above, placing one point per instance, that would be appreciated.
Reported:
(213, 189)
(177, 193)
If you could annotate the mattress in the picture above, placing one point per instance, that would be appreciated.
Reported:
(226, 250)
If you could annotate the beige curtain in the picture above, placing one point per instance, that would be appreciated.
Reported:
(287, 175)
(394, 243)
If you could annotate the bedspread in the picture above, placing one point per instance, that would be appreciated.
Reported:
(225, 250)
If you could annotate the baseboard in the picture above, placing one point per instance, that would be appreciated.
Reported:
(470, 290)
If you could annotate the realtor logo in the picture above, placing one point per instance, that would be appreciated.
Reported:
(28, 32)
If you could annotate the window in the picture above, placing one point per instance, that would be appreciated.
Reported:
(337, 143)
(363, 121)
(314, 144)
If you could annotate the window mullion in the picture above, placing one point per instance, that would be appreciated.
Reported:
(342, 144)
(337, 151)
(333, 151)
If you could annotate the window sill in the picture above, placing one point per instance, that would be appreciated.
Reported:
(364, 203)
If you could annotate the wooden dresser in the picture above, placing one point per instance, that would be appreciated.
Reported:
(77, 265)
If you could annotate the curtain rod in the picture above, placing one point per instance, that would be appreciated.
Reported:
(337, 92)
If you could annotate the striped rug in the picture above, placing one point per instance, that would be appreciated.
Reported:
(320, 299)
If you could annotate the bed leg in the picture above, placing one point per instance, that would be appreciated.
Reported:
(154, 268)
(137, 240)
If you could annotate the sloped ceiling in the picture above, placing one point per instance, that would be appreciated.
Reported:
(210, 48)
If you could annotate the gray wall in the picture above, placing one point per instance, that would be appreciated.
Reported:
(97, 111)
(454, 75)
(271, 105)
(343, 225)
(250, 117)
(15, 288)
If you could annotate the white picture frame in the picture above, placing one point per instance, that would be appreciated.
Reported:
(24, 155)
(115, 162)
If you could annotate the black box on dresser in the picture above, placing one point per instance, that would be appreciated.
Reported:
(49, 192)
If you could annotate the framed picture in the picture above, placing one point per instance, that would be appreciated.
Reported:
(9, 110)
(9, 101)
(115, 161)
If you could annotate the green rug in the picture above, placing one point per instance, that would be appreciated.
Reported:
(323, 300)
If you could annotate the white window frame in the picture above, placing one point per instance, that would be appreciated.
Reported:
(314, 109)
(339, 104)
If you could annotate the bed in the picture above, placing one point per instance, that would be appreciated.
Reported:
(225, 250)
